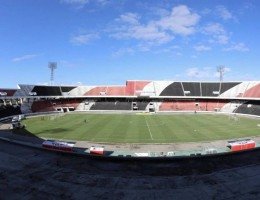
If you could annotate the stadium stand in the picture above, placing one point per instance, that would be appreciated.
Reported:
(106, 91)
(216, 89)
(42, 106)
(42, 90)
(116, 91)
(96, 91)
(240, 97)
(253, 92)
(6, 111)
(7, 92)
(135, 87)
(226, 86)
(191, 89)
(156, 87)
(55, 105)
(191, 105)
(80, 90)
(210, 89)
(51, 90)
(25, 90)
(250, 107)
(236, 91)
(174, 89)
(178, 106)
(111, 105)
(212, 105)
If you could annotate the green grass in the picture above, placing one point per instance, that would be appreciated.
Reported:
(142, 128)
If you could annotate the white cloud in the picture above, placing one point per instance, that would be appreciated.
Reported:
(224, 13)
(149, 33)
(81, 3)
(193, 72)
(83, 38)
(181, 21)
(24, 57)
(237, 47)
(175, 49)
(161, 12)
(214, 28)
(217, 32)
(77, 3)
(132, 29)
(202, 48)
(102, 2)
(123, 51)
(222, 39)
(130, 18)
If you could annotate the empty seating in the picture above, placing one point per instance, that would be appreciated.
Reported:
(148, 88)
(192, 105)
(97, 91)
(135, 87)
(112, 105)
(212, 105)
(54, 105)
(250, 107)
(115, 91)
(7, 92)
(210, 89)
(174, 89)
(197, 88)
(226, 86)
(178, 106)
(6, 111)
(191, 88)
(200, 96)
(42, 106)
(253, 92)
(50, 90)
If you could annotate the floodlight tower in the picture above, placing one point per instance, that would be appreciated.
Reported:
(52, 66)
(220, 70)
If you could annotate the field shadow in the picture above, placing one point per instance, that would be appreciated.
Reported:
(54, 130)
(25, 135)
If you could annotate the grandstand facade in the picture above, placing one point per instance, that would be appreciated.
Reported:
(149, 96)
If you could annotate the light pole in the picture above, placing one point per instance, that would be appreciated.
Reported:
(52, 66)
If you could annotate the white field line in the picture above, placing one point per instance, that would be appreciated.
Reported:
(149, 129)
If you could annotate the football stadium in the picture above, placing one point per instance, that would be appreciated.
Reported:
(129, 100)
(99, 139)
(116, 137)
(200, 118)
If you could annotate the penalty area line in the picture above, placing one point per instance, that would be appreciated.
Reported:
(148, 129)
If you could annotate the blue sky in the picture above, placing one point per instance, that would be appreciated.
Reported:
(99, 42)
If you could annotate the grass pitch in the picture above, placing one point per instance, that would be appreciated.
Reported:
(125, 128)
